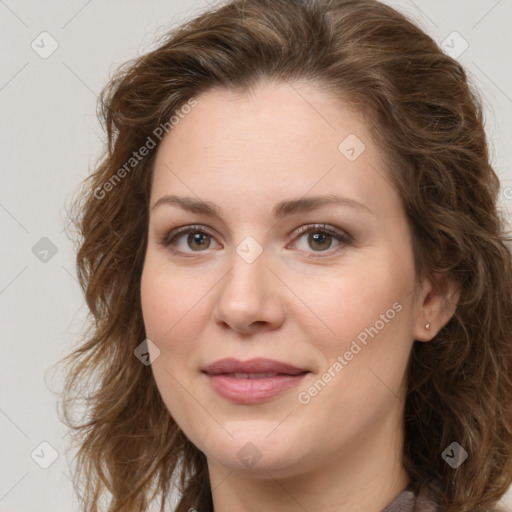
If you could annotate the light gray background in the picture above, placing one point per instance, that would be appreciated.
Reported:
(50, 140)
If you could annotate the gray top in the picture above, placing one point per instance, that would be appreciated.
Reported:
(408, 501)
(422, 500)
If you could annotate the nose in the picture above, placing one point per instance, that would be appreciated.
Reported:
(249, 297)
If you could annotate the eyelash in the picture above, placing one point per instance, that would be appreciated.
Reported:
(342, 237)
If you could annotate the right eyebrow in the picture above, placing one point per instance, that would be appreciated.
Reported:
(190, 203)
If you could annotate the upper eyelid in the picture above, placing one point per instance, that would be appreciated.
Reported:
(301, 229)
(321, 227)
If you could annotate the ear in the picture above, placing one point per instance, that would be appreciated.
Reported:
(437, 301)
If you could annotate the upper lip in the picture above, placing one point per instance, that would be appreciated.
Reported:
(257, 365)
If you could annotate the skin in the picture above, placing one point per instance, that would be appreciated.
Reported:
(246, 152)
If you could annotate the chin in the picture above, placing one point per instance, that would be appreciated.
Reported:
(253, 450)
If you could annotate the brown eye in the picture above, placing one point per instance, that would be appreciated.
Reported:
(198, 241)
(319, 241)
(321, 238)
(188, 239)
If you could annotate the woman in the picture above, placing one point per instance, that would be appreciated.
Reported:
(299, 279)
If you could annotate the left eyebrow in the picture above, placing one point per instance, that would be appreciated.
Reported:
(305, 204)
(282, 209)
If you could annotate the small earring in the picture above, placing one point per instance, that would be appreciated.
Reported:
(427, 325)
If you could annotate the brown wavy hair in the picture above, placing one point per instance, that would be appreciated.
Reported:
(426, 118)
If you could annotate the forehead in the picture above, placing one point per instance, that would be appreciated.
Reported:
(274, 140)
(270, 113)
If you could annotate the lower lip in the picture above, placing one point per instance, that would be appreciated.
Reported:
(252, 391)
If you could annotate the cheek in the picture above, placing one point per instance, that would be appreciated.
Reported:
(173, 318)
(368, 313)
(365, 357)
(351, 301)
(172, 304)
(170, 320)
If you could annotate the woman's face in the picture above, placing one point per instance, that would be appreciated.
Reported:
(246, 172)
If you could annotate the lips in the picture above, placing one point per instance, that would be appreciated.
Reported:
(252, 369)
(253, 381)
